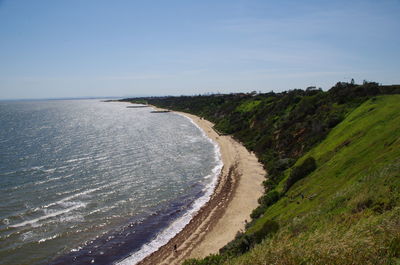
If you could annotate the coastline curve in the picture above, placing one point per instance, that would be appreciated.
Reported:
(179, 224)
(235, 196)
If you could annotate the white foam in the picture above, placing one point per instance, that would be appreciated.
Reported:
(100, 158)
(27, 236)
(78, 159)
(68, 191)
(8, 173)
(163, 237)
(48, 238)
(50, 170)
(70, 197)
(108, 208)
(48, 215)
(51, 179)
(72, 218)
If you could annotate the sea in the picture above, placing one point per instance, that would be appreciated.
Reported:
(93, 182)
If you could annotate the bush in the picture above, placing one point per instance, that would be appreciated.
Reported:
(269, 184)
(265, 201)
(244, 242)
(238, 246)
(270, 227)
(334, 119)
(269, 198)
(257, 212)
(300, 172)
(213, 259)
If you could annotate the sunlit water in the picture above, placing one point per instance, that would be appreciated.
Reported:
(84, 181)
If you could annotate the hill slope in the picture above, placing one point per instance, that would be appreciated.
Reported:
(333, 163)
(347, 210)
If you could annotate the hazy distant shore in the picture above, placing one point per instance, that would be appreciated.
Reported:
(238, 189)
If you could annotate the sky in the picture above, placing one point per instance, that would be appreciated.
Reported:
(97, 48)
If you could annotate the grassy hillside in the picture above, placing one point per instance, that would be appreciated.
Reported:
(278, 127)
(347, 210)
(333, 163)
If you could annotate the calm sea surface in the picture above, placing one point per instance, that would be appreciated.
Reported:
(89, 182)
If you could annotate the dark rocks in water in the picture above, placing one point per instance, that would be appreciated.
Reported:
(136, 107)
(160, 111)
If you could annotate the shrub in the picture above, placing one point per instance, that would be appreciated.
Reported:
(269, 198)
(213, 259)
(270, 227)
(257, 212)
(238, 246)
(265, 201)
(300, 172)
(244, 242)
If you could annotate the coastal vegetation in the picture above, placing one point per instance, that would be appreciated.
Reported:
(332, 193)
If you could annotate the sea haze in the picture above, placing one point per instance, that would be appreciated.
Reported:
(85, 181)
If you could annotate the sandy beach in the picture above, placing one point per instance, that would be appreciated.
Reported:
(239, 186)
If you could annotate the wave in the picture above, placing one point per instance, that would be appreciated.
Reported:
(70, 197)
(8, 173)
(107, 208)
(175, 227)
(48, 238)
(52, 179)
(64, 203)
(49, 215)
(78, 159)
(50, 170)
(35, 168)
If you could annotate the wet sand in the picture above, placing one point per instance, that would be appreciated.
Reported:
(238, 189)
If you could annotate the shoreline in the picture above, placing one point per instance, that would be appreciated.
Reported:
(238, 188)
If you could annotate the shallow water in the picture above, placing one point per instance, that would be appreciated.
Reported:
(87, 181)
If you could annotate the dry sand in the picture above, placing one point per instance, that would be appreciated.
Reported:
(236, 194)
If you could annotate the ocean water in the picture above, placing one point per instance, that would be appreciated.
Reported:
(90, 182)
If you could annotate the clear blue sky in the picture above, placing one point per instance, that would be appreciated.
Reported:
(77, 48)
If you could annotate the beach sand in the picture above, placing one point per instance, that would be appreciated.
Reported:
(238, 189)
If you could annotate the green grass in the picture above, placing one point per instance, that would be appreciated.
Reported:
(347, 211)
(355, 189)
(363, 145)
(363, 239)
